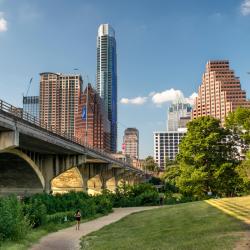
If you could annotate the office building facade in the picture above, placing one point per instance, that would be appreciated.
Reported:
(106, 77)
(131, 143)
(31, 105)
(166, 146)
(219, 93)
(176, 111)
(92, 125)
(59, 95)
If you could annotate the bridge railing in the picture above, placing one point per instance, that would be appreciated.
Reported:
(19, 113)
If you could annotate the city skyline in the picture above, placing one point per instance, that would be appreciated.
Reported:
(186, 36)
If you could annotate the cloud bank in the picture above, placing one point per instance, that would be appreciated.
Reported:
(3, 23)
(245, 8)
(159, 98)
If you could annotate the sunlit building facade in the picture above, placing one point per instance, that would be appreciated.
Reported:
(59, 95)
(220, 92)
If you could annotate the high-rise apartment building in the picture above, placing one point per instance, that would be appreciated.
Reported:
(131, 143)
(31, 105)
(92, 125)
(166, 146)
(176, 111)
(220, 92)
(166, 143)
(106, 77)
(59, 95)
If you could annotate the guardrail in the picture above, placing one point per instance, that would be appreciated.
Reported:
(19, 113)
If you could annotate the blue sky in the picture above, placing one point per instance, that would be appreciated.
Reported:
(161, 45)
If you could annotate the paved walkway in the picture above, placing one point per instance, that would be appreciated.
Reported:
(69, 238)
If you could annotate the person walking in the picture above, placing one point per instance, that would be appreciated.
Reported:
(78, 219)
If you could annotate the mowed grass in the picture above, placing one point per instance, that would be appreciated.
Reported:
(195, 225)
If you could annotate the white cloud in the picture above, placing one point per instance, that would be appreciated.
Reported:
(168, 95)
(191, 98)
(3, 23)
(159, 98)
(137, 100)
(245, 8)
(172, 95)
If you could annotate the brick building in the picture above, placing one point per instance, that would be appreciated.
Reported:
(220, 92)
(92, 123)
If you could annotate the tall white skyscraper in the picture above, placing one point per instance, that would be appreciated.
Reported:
(106, 77)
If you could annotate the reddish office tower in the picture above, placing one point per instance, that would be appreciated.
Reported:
(92, 123)
(219, 93)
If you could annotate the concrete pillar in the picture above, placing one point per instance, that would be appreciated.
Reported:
(85, 184)
(48, 172)
(9, 140)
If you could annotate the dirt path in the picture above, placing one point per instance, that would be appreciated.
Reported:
(69, 238)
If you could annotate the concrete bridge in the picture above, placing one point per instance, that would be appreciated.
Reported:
(36, 158)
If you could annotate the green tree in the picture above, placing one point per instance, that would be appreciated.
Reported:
(228, 181)
(203, 150)
(239, 122)
(150, 164)
(171, 173)
(244, 172)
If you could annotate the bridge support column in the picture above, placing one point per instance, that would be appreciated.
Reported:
(9, 140)
(85, 184)
(48, 172)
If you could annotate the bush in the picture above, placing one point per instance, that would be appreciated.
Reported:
(144, 194)
(103, 203)
(13, 223)
(61, 217)
(36, 213)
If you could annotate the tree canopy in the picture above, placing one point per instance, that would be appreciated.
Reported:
(208, 158)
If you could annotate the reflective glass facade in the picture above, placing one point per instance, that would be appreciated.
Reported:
(106, 78)
(31, 105)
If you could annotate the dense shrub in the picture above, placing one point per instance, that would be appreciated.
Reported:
(36, 213)
(144, 194)
(103, 204)
(13, 224)
(61, 217)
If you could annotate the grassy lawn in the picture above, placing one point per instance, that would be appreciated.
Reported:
(34, 235)
(195, 225)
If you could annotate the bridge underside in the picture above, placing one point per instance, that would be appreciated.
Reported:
(16, 176)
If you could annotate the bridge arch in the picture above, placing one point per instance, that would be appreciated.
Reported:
(94, 185)
(111, 184)
(70, 180)
(19, 174)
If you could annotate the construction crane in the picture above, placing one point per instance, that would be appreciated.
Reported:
(31, 79)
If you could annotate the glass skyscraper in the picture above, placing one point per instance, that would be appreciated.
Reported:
(106, 77)
(31, 105)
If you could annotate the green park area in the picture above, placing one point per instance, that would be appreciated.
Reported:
(195, 225)
(205, 196)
